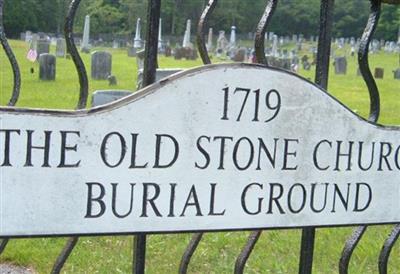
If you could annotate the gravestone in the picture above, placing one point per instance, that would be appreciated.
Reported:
(112, 80)
(160, 74)
(102, 97)
(161, 47)
(168, 51)
(101, 65)
(240, 55)
(140, 59)
(379, 73)
(340, 65)
(396, 74)
(186, 38)
(137, 42)
(47, 67)
(34, 41)
(209, 45)
(232, 39)
(42, 46)
(131, 51)
(222, 44)
(85, 46)
(28, 36)
(60, 47)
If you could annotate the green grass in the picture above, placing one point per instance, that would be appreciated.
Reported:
(277, 250)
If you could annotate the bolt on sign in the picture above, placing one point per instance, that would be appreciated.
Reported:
(221, 147)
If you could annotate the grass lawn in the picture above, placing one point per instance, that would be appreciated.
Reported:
(276, 251)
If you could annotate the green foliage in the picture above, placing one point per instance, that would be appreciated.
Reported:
(119, 16)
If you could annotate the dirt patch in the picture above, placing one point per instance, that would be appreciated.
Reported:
(13, 269)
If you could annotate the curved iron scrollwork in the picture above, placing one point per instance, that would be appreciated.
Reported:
(80, 66)
(259, 43)
(187, 255)
(62, 258)
(12, 59)
(246, 251)
(201, 44)
(363, 60)
(374, 112)
(387, 248)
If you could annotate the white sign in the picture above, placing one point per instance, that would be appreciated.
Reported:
(213, 148)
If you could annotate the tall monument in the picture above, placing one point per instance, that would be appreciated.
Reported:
(137, 42)
(186, 38)
(86, 35)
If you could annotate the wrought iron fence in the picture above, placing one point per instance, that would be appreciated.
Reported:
(150, 64)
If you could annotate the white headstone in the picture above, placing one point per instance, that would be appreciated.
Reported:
(210, 41)
(186, 38)
(232, 39)
(86, 34)
(160, 35)
(275, 46)
(137, 43)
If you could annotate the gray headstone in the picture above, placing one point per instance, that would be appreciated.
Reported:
(42, 46)
(85, 46)
(131, 51)
(47, 70)
(160, 74)
(340, 65)
(137, 42)
(379, 72)
(101, 65)
(396, 74)
(60, 47)
(102, 97)
(140, 59)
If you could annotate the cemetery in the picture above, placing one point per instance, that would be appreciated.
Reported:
(137, 130)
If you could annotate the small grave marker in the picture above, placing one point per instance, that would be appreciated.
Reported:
(47, 67)
(101, 65)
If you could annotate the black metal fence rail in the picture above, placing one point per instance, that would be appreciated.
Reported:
(150, 65)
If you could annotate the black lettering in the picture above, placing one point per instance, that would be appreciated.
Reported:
(103, 149)
(98, 200)
(235, 154)
(114, 201)
(383, 156)
(158, 151)
(315, 156)
(288, 153)
(150, 200)
(133, 153)
(212, 203)
(273, 198)
(304, 196)
(345, 202)
(222, 149)
(243, 199)
(360, 156)
(7, 140)
(313, 186)
(357, 207)
(263, 147)
(340, 154)
(195, 202)
(45, 148)
(65, 148)
(204, 152)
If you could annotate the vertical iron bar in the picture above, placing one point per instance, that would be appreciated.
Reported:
(72, 50)
(324, 43)
(259, 42)
(151, 48)
(149, 77)
(12, 59)
(321, 78)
